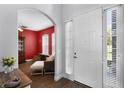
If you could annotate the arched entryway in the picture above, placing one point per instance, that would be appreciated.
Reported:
(36, 31)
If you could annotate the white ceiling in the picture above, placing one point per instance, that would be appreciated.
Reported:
(33, 19)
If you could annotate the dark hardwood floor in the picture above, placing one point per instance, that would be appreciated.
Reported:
(47, 81)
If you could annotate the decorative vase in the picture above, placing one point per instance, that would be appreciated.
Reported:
(8, 69)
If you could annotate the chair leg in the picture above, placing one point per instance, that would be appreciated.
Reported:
(44, 71)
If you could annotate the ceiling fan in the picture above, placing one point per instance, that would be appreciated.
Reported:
(20, 28)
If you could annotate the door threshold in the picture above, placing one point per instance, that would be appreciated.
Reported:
(86, 86)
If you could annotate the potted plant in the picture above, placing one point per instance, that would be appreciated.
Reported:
(8, 63)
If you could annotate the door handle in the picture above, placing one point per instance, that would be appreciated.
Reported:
(75, 57)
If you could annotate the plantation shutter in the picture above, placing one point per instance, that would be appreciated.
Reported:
(112, 77)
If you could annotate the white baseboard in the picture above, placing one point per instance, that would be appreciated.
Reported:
(58, 77)
(70, 77)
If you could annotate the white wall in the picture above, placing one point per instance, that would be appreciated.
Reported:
(9, 35)
(72, 10)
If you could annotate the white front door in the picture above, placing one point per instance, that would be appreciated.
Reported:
(88, 48)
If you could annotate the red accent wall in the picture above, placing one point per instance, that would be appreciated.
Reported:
(30, 43)
(33, 41)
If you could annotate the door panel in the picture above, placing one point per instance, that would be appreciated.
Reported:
(88, 47)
